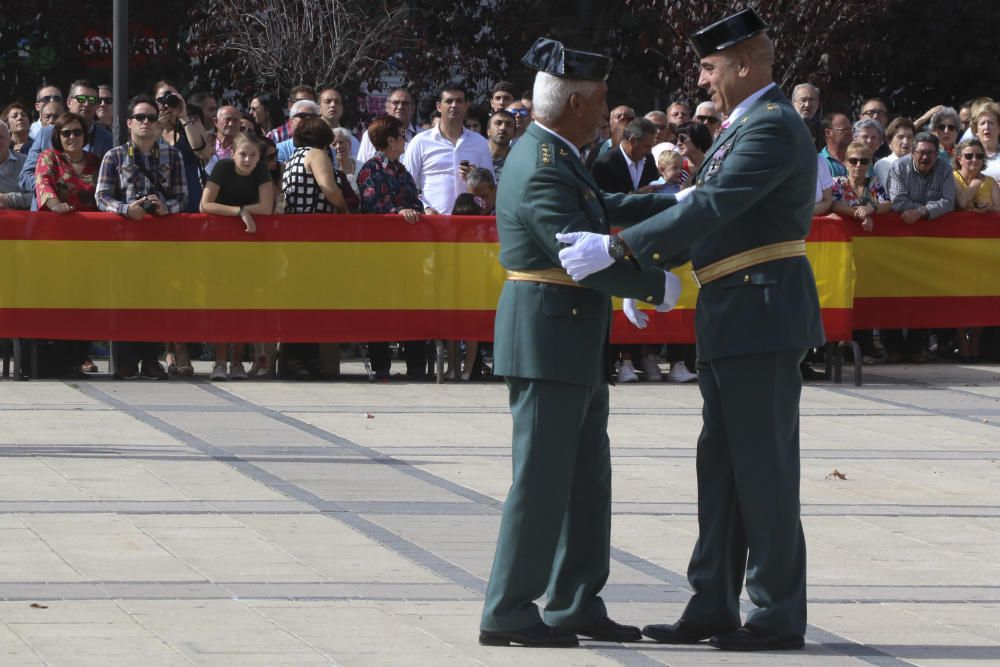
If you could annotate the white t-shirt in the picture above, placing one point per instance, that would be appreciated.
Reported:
(824, 180)
(434, 162)
(882, 168)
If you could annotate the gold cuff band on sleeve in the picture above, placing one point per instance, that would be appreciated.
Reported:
(550, 276)
(746, 259)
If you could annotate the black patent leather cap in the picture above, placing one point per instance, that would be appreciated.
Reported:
(549, 56)
(730, 30)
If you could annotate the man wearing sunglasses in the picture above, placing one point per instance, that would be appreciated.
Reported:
(45, 94)
(522, 117)
(140, 178)
(83, 100)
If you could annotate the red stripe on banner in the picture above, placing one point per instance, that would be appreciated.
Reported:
(296, 326)
(958, 225)
(316, 228)
(926, 312)
(220, 326)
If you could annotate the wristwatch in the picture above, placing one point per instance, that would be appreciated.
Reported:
(616, 248)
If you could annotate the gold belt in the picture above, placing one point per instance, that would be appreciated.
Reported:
(746, 259)
(551, 276)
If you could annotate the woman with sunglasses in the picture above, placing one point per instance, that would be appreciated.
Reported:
(978, 193)
(974, 191)
(17, 119)
(65, 181)
(66, 175)
(946, 127)
(693, 141)
(858, 195)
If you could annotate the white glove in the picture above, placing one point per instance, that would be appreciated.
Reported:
(671, 293)
(634, 315)
(587, 254)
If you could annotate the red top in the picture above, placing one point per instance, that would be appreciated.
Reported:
(56, 178)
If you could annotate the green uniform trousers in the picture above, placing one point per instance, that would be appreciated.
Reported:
(555, 532)
(748, 495)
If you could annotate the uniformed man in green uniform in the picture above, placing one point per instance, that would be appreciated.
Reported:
(551, 346)
(744, 224)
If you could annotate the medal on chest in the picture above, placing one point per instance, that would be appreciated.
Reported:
(715, 162)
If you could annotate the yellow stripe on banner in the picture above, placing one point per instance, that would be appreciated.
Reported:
(196, 275)
(926, 267)
(833, 266)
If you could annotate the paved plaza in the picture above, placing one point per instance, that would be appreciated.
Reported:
(346, 523)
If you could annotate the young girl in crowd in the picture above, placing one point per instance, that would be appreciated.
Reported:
(238, 186)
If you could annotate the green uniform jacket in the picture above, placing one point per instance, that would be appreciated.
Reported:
(757, 186)
(557, 332)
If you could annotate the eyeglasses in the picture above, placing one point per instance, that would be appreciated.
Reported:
(399, 103)
(974, 156)
(144, 117)
(706, 119)
(304, 114)
(87, 99)
(863, 161)
(874, 112)
(925, 153)
(107, 100)
(842, 129)
(941, 127)
(75, 132)
(519, 112)
(50, 98)
(681, 138)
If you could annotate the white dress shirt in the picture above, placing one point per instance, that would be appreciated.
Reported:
(433, 161)
(634, 168)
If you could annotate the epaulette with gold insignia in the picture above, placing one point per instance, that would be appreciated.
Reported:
(772, 106)
(545, 151)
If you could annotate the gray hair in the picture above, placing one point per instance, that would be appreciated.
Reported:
(943, 113)
(805, 85)
(868, 124)
(550, 94)
(639, 128)
(656, 114)
(480, 175)
(304, 106)
(341, 133)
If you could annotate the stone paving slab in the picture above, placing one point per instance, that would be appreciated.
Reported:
(348, 523)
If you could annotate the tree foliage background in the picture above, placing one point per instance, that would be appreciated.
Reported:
(912, 52)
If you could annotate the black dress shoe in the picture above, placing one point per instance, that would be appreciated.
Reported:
(682, 632)
(749, 638)
(810, 373)
(606, 630)
(538, 635)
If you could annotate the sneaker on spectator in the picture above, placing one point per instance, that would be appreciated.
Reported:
(626, 373)
(680, 373)
(651, 368)
(152, 370)
(218, 372)
(236, 371)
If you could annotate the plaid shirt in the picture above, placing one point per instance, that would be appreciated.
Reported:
(909, 189)
(120, 182)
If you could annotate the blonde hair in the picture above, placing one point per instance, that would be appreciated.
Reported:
(859, 147)
(667, 157)
(991, 108)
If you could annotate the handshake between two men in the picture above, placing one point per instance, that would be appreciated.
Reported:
(587, 253)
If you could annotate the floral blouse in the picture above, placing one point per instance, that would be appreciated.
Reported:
(386, 187)
(56, 178)
(844, 191)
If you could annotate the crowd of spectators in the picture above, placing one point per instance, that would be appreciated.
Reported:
(293, 155)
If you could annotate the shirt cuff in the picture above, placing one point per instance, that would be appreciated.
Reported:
(684, 194)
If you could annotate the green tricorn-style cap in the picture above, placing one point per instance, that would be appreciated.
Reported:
(549, 56)
(730, 30)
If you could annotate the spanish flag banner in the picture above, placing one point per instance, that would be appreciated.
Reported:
(363, 277)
